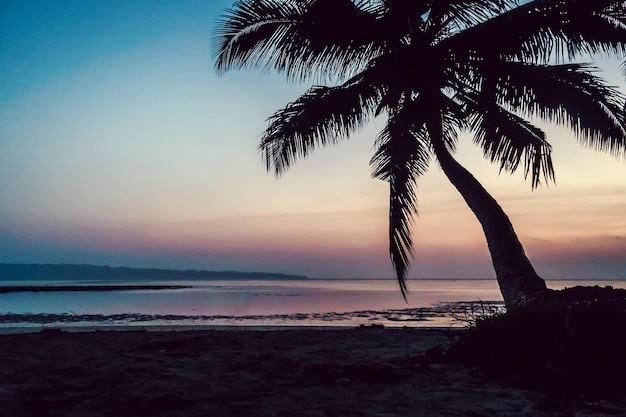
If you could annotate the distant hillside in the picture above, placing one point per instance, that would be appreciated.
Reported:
(14, 272)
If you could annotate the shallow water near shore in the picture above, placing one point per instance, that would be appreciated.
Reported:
(340, 303)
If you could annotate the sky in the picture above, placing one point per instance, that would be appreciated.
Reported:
(120, 145)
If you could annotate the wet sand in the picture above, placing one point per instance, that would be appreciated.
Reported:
(296, 372)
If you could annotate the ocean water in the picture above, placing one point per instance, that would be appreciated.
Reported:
(345, 303)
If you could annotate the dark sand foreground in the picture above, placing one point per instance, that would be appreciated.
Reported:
(359, 372)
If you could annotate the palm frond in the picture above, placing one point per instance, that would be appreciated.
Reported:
(402, 154)
(508, 139)
(591, 32)
(243, 34)
(402, 18)
(320, 117)
(616, 11)
(540, 29)
(453, 118)
(295, 37)
(570, 95)
(461, 14)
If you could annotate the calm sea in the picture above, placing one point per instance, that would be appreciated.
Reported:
(259, 303)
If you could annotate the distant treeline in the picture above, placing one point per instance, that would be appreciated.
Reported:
(12, 272)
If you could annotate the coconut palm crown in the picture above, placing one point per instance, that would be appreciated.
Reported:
(436, 68)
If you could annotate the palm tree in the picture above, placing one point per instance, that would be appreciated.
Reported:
(436, 68)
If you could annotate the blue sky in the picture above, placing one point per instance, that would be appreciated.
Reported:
(120, 145)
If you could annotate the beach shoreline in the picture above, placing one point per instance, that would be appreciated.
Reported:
(368, 371)
(170, 328)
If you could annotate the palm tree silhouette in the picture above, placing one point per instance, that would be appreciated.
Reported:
(436, 68)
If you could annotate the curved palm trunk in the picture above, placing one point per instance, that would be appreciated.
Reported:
(518, 281)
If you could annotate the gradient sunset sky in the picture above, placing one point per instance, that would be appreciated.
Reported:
(119, 145)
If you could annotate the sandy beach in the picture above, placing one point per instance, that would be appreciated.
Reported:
(356, 372)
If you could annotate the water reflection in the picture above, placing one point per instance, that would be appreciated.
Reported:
(311, 302)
